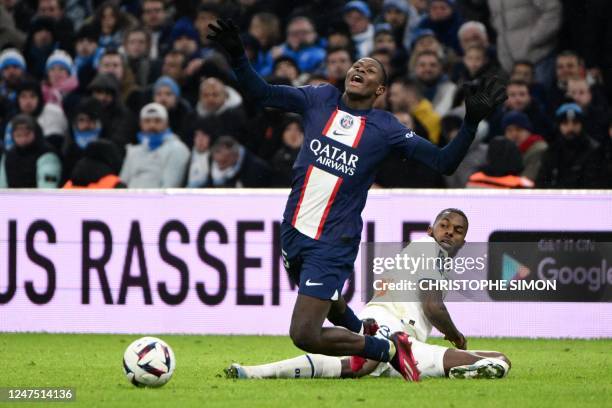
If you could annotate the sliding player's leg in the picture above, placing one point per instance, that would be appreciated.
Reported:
(437, 361)
(304, 366)
(475, 364)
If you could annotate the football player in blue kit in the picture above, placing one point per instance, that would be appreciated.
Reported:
(345, 141)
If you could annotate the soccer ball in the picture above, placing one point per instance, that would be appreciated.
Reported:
(148, 362)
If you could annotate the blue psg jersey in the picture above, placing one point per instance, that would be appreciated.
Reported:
(337, 164)
(342, 150)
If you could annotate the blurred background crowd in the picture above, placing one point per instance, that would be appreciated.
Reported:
(132, 94)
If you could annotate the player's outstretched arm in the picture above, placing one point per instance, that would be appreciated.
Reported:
(481, 100)
(227, 35)
(437, 313)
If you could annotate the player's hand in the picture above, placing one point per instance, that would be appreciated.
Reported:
(227, 35)
(483, 97)
(459, 341)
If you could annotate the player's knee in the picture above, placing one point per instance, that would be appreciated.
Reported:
(303, 339)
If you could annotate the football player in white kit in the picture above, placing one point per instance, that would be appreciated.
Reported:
(389, 312)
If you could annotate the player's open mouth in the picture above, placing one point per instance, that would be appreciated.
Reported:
(357, 79)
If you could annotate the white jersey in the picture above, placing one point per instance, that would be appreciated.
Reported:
(391, 308)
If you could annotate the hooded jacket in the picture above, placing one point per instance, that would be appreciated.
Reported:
(117, 119)
(32, 166)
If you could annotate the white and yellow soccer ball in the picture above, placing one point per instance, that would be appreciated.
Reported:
(148, 362)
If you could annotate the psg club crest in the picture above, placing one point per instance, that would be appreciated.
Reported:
(346, 122)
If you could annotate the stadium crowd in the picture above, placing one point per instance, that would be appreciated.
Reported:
(132, 93)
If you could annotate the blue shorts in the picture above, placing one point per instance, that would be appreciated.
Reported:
(319, 269)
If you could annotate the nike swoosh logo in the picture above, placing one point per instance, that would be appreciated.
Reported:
(336, 133)
(309, 283)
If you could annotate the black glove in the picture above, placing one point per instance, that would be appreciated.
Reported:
(482, 98)
(227, 35)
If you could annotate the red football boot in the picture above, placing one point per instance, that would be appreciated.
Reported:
(403, 360)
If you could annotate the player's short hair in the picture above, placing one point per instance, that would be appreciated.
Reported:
(454, 211)
(385, 78)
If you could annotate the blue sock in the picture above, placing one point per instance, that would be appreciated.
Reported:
(376, 349)
(348, 320)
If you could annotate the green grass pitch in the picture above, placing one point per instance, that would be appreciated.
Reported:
(556, 373)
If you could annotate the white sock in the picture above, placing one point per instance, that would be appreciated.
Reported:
(305, 366)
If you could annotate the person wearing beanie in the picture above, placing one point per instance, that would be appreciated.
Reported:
(31, 162)
(357, 16)
(444, 19)
(86, 127)
(168, 93)
(98, 168)
(61, 77)
(12, 72)
(50, 117)
(185, 38)
(518, 128)
(502, 169)
(572, 159)
(160, 159)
